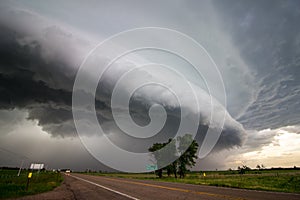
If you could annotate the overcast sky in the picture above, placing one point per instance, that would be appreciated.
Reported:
(255, 46)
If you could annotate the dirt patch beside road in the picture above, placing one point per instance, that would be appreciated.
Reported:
(64, 191)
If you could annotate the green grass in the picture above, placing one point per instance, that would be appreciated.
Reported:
(269, 180)
(12, 185)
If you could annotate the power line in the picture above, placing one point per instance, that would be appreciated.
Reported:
(16, 154)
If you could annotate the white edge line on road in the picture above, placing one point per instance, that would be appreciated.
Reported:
(115, 191)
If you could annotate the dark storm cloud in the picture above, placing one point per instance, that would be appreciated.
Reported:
(43, 87)
(37, 69)
(267, 33)
(34, 77)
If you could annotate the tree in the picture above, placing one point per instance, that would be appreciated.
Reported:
(187, 149)
(163, 153)
(258, 167)
(174, 168)
(154, 149)
(243, 169)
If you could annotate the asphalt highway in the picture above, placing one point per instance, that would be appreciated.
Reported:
(99, 187)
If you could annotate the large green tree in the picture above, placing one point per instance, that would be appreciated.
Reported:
(188, 153)
(165, 152)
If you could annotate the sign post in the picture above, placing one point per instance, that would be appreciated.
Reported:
(20, 168)
(28, 179)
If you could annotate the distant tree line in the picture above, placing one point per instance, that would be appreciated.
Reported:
(244, 168)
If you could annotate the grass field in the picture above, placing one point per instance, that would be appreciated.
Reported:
(270, 180)
(12, 185)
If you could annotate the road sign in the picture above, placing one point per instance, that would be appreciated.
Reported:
(151, 167)
(28, 178)
(38, 166)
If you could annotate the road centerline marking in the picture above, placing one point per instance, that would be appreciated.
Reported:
(106, 188)
(177, 189)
